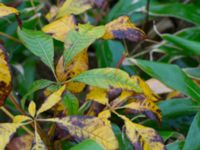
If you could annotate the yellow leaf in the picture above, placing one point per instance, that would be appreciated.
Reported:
(38, 143)
(84, 127)
(52, 13)
(123, 28)
(158, 87)
(6, 132)
(32, 108)
(78, 65)
(59, 28)
(149, 108)
(20, 118)
(51, 100)
(104, 116)
(143, 137)
(5, 10)
(97, 94)
(146, 89)
(23, 142)
(5, 76)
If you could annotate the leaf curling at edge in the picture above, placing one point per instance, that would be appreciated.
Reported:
(123, 28)
(88, 127)
(5, 76)
(143, 137)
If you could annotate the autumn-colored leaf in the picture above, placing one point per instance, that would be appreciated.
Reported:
(78, 6)
(23, 142)
(98, 94)
(52, 13)
(149, 108)
(5, 10)
(38, 144)
(5, 76)
(6, 132)
(123, 28)
(51, 100)
(20, 118)
(59, 28)
(143, 138)
(84, 127)
(104, 116)
(32, 108)
(78, 65)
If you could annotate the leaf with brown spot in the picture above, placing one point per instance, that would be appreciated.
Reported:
(123, 28)
(6, 132)
(5, 10)
(85, 127)
(78, 65)
(5, 76)
(143, 138)
(149, 108)
(23, 142)
(99, 95)
(59, 28)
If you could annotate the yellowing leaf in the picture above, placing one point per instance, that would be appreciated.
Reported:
(97, 94)
(20, 118)
(59, 28)
(158, 87)
(5, 10)
(23, 142)
(149, 108)
(52, 13)
(108, 78)
(104, 116)
(38, 143)
(32, 108)
(78, 65)
(5, 76)
(143, 137)
(51, 100)
(6, 132)
(123, 28)
(80, 39)
(146, 89)
(84, 127)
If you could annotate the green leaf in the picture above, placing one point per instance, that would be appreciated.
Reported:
(178, 145)
(37, 85)
(107, 78)
(174, 108)
(193, 136)
(171, 75)
(77, 41)
(88, 145)
(193, 72)
(71, 103)
(39, 44)
(189, 47)
(186, 12)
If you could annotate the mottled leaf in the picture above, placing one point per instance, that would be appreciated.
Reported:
(107, 78)
(6, 132)
(32, 108)
(59, 28)
(5, 10)
(5, 76)
(123, 28)
(79, 39)
(78, 6)
(39, 44)
(38, 144)
(51, 100)
(143, 137)
(23, 142)
(84, 127)
(149, 108)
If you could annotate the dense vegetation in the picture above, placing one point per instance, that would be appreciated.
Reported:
(100, 74)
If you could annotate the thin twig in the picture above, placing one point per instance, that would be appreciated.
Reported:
(147, 15)
(10, 37)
